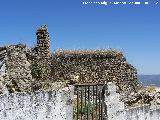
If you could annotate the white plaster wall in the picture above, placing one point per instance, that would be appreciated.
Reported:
(142, 113)
(51, 105)
(138, 113)
(155, 114)
(115, 108)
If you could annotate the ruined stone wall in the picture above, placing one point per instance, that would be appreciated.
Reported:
(42, 105)
(94, 66)
(21, 66)
(15, 72)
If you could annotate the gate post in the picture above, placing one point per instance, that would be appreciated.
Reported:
(114, 108)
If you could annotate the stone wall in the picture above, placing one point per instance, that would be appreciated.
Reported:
(94, 66)
(115, 109)
(15, 72)
(22, 70)
(3, 54)
(24, 66)
(43, 105)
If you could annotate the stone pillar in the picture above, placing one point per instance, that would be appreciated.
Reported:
(43, 42)
(114, 107)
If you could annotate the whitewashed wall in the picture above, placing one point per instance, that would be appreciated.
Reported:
(51, 105)
(142, 113)
(115, 108)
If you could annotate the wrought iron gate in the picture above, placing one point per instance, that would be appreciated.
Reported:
(89, 102)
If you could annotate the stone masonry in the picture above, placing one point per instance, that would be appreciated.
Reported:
(69, 66)
(43, 42)
(15, 73)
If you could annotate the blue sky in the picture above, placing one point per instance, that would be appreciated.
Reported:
(133, 29)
